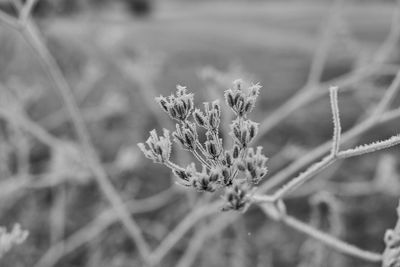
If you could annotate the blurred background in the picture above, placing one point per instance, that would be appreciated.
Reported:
(118, 55)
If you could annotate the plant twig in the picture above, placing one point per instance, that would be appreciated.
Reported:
(321, 54)
(324, 148)
(181, 229)
(200, 237)
(337, 129)
(35, 41)
(98, 225)
(26, 11)
(324, 238)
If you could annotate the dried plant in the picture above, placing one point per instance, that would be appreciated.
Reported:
(236, 170)
(233, 171)
(226, 166)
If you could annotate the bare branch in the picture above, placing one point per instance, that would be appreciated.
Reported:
(337, 129)
(321, 54)
(9, 20)
(26, 11)
(326, 239)
(369, 148)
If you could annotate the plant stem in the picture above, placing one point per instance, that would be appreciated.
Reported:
(33, 38)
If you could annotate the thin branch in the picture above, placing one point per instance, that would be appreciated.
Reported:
(324, 238)
(31, 127)
(98, 225)
(319, 151)
(305, 96)
(331, 241)
(303, 177)
(26, 11)
(337, 129)
(181, 229)
(388, 97)
(328, 160)
(10, 21)
(201, 236)
(369, 148)
(321, 54)
(390, 115)
(35, 41)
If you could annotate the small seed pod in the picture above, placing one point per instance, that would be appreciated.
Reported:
(235, 152)
(199, 118)
(212, 149)
(158, 147)
(179, 139)
(228, 159)
(238, 84)
(236, 97)
(226, 176)
(215, 175)
(237, 133)
(213, 121)
(241, 166)
(181, 174)
(172, 112)
(203, 183)
(253, 129)
(236, 198)
(254, 90)
(244, 138)
(250, 166)
(180, 110)
(229, 98)
(162, 101)
(190, 141)
(217, 107)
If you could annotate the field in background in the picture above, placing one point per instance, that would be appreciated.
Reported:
(117, 64)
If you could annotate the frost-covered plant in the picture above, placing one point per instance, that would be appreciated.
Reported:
(232, 170)
(10, 239)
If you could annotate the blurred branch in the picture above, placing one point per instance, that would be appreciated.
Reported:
(9, 20)
(32, 36)
(29, 126)
(305, 95)
(98, 225)
(207, 231)
(321, 54)
(181, 229)
(324, 238)
(26, 11)
(331, 158)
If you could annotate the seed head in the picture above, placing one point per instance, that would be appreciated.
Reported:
(236, 197)
(243, 132)
(158, 147)
(253, 165)
(178, 106)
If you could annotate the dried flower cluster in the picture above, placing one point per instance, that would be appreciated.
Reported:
(10, 239)
(234, 170)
